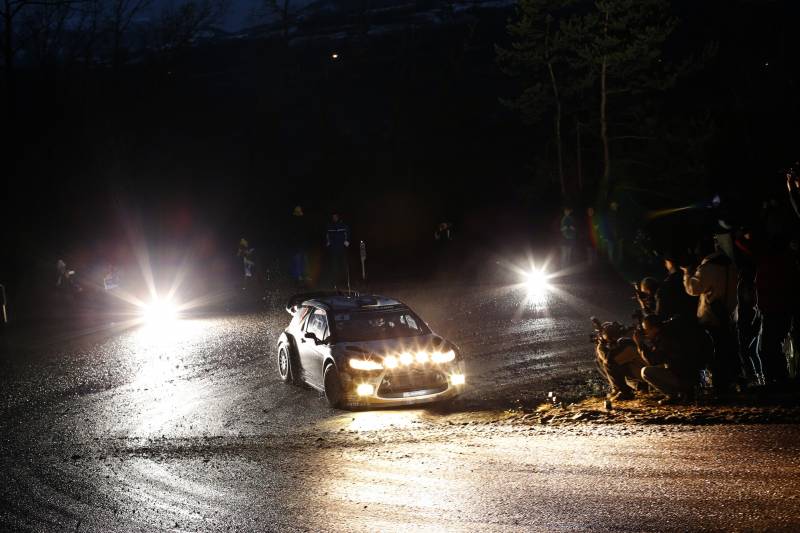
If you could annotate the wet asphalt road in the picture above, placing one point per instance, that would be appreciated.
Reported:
(188, 428)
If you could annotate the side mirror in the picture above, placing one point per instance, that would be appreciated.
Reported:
(310, 335)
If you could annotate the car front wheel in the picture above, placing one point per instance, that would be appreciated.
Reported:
(285, 370)
(333, 386)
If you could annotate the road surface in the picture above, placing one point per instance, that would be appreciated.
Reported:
(187, 428)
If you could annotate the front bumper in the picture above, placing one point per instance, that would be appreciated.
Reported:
(412, 385)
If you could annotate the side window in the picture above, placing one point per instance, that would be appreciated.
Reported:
(409, 322)
(318, 324)
(300, 316)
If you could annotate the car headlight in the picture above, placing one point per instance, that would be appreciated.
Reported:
(422, 357)
(159, 312)
(406, 358)
(443, 357)
(365, 364)
(365, 389)
(390, 361)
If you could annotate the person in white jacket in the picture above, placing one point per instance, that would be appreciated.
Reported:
(714, 282)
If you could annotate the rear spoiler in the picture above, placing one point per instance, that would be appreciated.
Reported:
(297, 299)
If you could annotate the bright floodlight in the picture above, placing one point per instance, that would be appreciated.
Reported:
(159, 312)
(537, 282)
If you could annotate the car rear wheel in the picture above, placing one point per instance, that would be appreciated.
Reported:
(333, 386)
(285, 370)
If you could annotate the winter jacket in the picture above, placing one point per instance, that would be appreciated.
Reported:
(299, 234)
(672, 300)
(684, 347)
(714, 280)
(338, 234)
(776, 284)
(568, 231)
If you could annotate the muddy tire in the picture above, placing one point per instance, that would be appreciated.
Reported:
(333, 386)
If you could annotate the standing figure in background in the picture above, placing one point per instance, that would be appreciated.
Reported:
(569, 235)
(248, 262)
(337, 241)
(793, 185)
(590, 236)
(299, 246)
(613, 241)
(61, 270)
(444, 233)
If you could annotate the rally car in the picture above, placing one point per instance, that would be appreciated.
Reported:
(366, 351)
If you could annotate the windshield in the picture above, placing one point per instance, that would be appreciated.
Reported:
(377, 325)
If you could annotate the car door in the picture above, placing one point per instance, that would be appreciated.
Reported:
(309, 354)
(321, 349)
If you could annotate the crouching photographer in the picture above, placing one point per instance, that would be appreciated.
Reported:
(618, 359)
(674, 352)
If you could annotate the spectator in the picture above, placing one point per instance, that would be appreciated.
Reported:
(793, 185)
(612, 234)
(746, 317)
(671, 298)
(714, 281)
(674, 351)
(646, 294)
(568, 237)
(590, 236)
(300, 237)
(248, 261)
(618, 361)
(337, 240)
(444, 233)
(776, 286)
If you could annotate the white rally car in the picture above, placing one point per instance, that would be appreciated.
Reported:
(366, 351)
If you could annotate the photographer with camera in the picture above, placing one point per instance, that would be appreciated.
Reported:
(674, 351)
(645, 295)
(618, 360)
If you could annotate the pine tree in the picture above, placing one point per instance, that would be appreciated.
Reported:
(537, 56)
(616, 46)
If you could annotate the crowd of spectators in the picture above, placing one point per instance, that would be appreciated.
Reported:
(723, 320)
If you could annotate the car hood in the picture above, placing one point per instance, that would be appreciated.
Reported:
(394, 346)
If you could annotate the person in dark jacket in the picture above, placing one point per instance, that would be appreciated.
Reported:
(776, 286)
(569, 234)
(671, 297)
(674, 352)
(299, 246)
(337, 241)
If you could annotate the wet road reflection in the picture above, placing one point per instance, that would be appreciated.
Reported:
(163, 390)
(185, 426)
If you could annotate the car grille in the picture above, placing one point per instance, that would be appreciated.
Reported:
(400, 383)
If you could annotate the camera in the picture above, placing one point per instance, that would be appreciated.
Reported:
(607, 334)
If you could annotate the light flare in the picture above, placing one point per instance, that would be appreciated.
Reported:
(365, 389)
